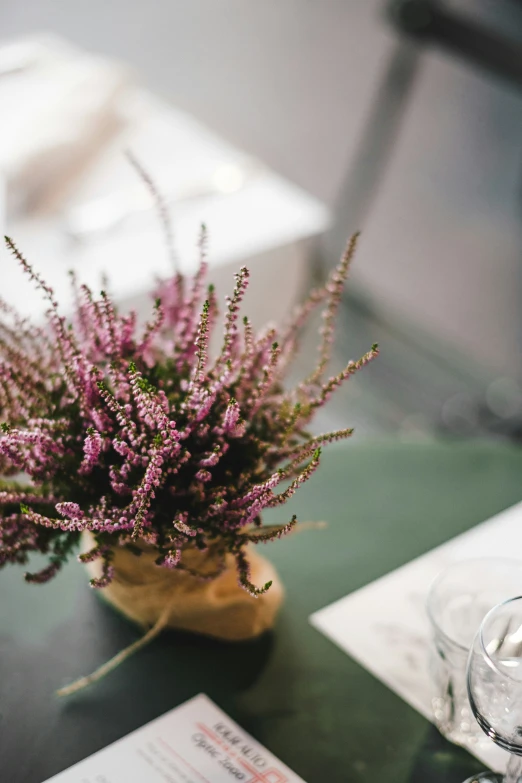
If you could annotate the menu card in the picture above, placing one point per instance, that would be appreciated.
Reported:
(193, 743)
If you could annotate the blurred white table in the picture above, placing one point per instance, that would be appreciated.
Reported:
(253, 216)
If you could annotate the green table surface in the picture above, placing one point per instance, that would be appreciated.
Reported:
(307, 701)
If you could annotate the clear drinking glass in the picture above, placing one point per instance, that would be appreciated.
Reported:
(458, 600)
(494, 679)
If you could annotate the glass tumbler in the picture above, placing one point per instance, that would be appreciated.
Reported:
(458, 601)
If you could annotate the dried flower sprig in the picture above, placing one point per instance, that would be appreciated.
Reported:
(138, 434)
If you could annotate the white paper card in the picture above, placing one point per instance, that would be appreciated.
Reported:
(193, 743)
(384, 625)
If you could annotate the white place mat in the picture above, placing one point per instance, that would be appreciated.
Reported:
(384, 625)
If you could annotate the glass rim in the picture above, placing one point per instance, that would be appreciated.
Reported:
(489, 660)
(439, 578)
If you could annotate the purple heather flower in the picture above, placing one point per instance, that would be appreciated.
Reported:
(161, 440)
(70, 510)
(92, 447)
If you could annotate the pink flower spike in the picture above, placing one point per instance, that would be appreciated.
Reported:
(70, 510)
(172, 559)
(91, 448)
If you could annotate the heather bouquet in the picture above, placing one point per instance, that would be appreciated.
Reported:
(138, 444)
